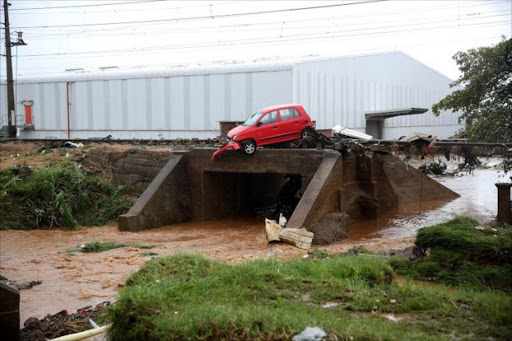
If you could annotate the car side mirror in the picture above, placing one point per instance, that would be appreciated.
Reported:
(259, 124)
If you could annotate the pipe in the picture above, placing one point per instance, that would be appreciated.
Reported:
(83, 335)
(68, 84)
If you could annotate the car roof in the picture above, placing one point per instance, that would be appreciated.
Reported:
(280, 106)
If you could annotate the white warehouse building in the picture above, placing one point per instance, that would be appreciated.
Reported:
(357, 92)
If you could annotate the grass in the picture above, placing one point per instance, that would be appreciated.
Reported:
(98, 246)
(188, 297)
(57, 196)
(458, 254)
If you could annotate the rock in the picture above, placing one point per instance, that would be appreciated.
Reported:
(392, 301)
(331, 228)
(310, 334)
(32, 323)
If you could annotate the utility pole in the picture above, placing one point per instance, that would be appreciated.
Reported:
(11, 118)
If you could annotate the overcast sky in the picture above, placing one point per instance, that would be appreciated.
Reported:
(159, 33)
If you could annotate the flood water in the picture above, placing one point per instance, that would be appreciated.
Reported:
(478, 198)
(72, 282)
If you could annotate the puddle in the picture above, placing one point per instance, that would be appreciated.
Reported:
(478, 198)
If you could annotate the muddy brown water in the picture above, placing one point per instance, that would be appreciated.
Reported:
(72, 282)
(478, 198)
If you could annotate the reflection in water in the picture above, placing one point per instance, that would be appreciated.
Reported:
(478, 198)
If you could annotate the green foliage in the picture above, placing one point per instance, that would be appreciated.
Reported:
(57, 196)
(98, 246)
(188, 297)
(485, 99)
(460, 255)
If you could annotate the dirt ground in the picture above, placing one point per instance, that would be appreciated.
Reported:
(72, 282)
(40, 154)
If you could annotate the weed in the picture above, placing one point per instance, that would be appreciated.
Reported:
(461, 255)
(188, 297)
(98, 246)
(57, 196)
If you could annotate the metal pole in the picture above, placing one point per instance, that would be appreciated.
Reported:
(10, 89)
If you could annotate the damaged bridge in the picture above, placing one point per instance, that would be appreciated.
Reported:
(327, 185)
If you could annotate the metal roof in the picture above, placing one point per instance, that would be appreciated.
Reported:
(383, 114)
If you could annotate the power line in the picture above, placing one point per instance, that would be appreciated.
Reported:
(265, 40)
(240, 27)
(90, 5)
(206, 17)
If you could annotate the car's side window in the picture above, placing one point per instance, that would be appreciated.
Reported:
(289, 113)
(270, 117)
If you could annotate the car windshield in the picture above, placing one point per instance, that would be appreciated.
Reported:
(252, 120)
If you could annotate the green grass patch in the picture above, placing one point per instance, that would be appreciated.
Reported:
(57, 196)
(188, 297)
(458, 254)
(98, 246)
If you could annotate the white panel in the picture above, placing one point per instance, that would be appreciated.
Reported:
(98, 105)
(196, 107)
(158, 104)
(217, 109)
(177, 103)
(81, 110)
(136, 104)
(238, 97)
(115, 105)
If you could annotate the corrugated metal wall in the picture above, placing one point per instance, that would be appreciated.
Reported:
(341, 90)
(169, 107)
(190, 102)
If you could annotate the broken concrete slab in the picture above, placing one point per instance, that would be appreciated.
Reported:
(300, 238)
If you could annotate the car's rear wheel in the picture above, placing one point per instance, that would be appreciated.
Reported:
(249, 147)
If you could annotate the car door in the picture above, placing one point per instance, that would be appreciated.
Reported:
(289, 125)
(267, 130)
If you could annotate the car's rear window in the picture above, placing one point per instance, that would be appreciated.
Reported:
(288, 113)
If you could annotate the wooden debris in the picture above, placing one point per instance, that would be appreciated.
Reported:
(300, 238)
(273, 230)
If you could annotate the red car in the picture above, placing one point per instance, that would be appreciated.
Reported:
(281, 123)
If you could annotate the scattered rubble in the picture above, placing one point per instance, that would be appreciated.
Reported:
(20, 285)
(62, 323)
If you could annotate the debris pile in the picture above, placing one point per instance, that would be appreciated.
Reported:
(62, 323)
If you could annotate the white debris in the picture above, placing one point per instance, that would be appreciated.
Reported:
(282, 220)
(330, 304)
(392, 317)
(310, 334)
(338, 129)
(273, 230)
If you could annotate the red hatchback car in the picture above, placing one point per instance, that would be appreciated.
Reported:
(281, 123)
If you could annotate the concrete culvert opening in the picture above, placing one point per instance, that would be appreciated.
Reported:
(234, 195)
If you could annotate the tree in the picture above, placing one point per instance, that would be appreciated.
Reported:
(485, 94)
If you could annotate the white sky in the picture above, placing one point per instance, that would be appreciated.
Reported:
(166, 34)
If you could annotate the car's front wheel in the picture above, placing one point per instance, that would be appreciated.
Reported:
(249, 147)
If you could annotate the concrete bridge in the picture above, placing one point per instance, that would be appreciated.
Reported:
(190, 187)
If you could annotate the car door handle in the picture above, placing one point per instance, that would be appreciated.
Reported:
(275, 127)
(296, 122)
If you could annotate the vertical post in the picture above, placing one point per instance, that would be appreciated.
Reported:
(10, 85)
(68, 85)
(504, 204)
